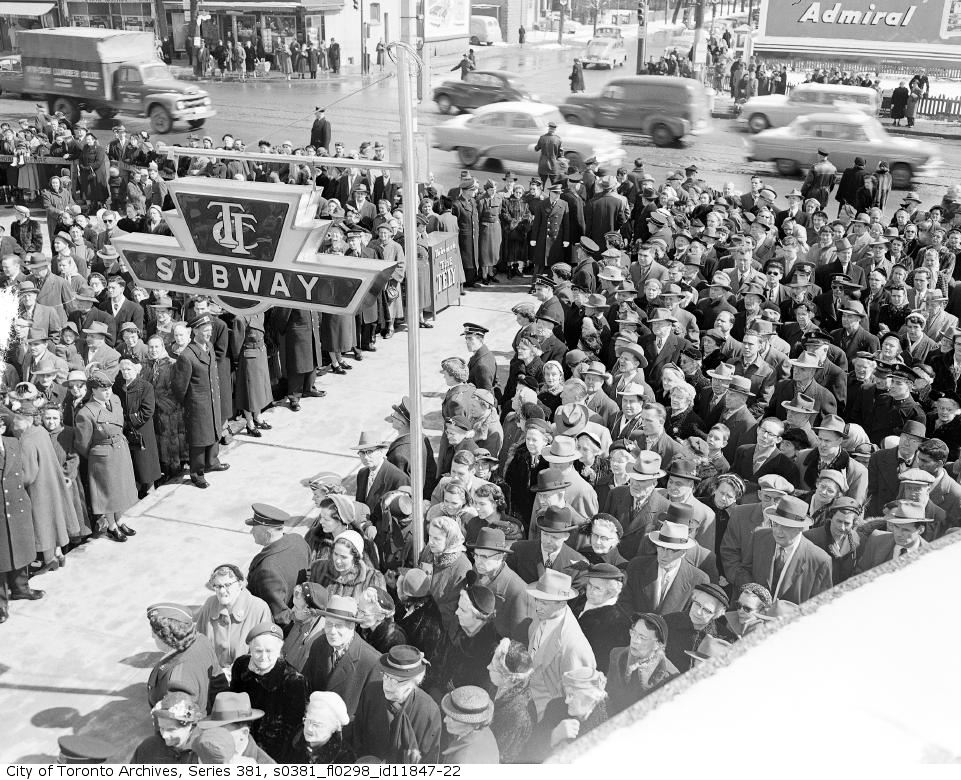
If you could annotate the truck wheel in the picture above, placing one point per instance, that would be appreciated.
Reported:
(662, 135)
(107, 113)
(195, 123)
(67, 106)
(160, 120)
(901, 176)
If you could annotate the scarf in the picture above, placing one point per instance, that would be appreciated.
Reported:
(446, 559)
(401, 735)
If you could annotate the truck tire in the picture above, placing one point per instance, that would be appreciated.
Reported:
(107, 113)
(195, 123)
(70, 109)
(661, 135)
(160, 120)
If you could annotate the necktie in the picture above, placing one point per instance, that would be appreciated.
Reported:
(778, 568)
(902, 551)
(664, 584)
(549, 561)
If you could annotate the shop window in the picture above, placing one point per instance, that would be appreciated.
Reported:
(375, 12)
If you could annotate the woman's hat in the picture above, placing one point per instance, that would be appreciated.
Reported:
(230, 708)
(672, 536)
(552, 586)
(404, 662)
(779, 609)
(170, 611)
(352, 538)
(468, 704)
(323, 704)
(346, 507)
(660, 624)
(482, 599)
(414, 583)
(341, 608)
(267, 627)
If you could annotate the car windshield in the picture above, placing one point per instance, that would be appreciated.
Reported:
(597, 47)
(156, 72)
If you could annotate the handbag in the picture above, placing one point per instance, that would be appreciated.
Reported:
(134, 439)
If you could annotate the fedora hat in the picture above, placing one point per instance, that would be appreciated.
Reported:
(682, 514)
(741, 384)
(369, 440)
(710, 646)
(673, 536)
(661, 315)
(832, 423)
(230, 708)
(562, 450)
(341, 608)
(596, 368)
(571, 420)
(853, 307)
(724, 372)
(778, 610)
(552, 586)
(914, 428)
(647, 466)
(611, 273)
(800, 403)
(805, 360)
(596, 301)
(682, 467)
(634, 349)
(490, 539)
(789, 511)
(557, 520)
(903, 511)
(633, 388)
(468, 704)
(916, 476)
(404, 662)
(721, 280)
(551, 479)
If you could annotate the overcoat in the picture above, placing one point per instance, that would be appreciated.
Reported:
(17, 546)
(468, 231)
(273, 574)
(624, 689)
(195, 666)
(197, 385)
(54, 518)
(281, 694)
(69, 461)
(252, 389)
(139, 405)
(373, 736)
(101, 443)
(348, 677)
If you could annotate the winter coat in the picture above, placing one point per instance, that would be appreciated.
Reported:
(139, 405)
(17, 542)
(281, 693)
(101, 443)
(196, 384)
(274, 572)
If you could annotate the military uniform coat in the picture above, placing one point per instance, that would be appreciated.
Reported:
(468, 232)
(197, 385)
(550, 229)
(139, 403)
(101, 443)
(274, 571)
(489, 222)
(195, 667)
(17, 542)
(482, 369)
(252, 389)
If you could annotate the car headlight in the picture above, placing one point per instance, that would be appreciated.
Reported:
(180, 105)
(207, 101)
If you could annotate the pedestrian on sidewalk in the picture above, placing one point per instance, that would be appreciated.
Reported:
(312, 59)
(521, 35)
(577, 77)
(333, 55)
(911, 108)
(464, 66)
(282, 59)
(381, 53)
(899, 102)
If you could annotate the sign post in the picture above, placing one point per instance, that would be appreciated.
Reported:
(641, 37)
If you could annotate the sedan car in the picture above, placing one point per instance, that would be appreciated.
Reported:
(509, 132)
(11, 74)
(844, 136)
(767, 111)
(478, 89)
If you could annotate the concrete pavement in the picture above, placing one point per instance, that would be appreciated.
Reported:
(77, 660)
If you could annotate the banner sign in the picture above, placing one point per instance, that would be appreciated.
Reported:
(889, 28)
(251, 245)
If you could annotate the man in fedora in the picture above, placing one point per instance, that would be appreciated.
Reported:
(43, 318)
(938, 318)
(885, 465)
(341, 661)
(789, 565)
(85, 312)
(829, 454)
(803, 369)
(688, 628)
(637, 504)
(605, 211)
(52, 290)
(97, 351)
(663, 582)
(514, 608)
(556, 642)
(274, 571)
(377, 476)
(698, 555)
(753, 461)
(531, 557)
(601, 618)
(578, 495)
(830, 374)
(852, 336)
(711, 402)
(396, 721)
(682, 477)
(663, 347)
(905, 521)
(595, 376)
(736, 416)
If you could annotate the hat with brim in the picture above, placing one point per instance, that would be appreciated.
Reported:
(490, 539)
(672, 536)
(552, 586)
(789, 511)
(369, 440)
(468, 704)
(806, 360)
(903, 511)
(341, 608)
(832, 424)
(562, 450)
(724, 372)
(230, 708)
(571, 420)
(558, 520)
(710, 647)
(800, 403)
(647, 467)
(267, 515)
(633, 349)
(403, 662)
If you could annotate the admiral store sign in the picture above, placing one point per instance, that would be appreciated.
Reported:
(251, 245)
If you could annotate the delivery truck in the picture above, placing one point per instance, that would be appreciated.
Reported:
(112, 72)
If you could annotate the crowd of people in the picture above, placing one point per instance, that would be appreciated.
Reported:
(718, 406)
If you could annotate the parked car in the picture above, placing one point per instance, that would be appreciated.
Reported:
(485, 30)
(763, 112)
(605, 53)
(845, 136)
(509, 131)
(11, 74)
(663, 107)
(478, 89)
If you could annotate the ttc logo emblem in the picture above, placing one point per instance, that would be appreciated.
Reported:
(228, 230)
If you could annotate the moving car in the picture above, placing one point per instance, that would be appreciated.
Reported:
(485, 30)
(844, 136)
(478, 89)
(11, 74)
(509, 132)
(663, 107)
(766, 111)
(605, 53)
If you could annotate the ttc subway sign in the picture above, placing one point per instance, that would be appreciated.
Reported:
(251, 245)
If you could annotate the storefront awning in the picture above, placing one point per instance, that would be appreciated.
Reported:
(250, 7)
(24, 9)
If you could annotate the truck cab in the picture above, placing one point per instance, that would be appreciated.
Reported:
(148, 89)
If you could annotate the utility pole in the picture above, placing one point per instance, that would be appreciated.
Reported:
(563, 18)
(363, 40)
(642, 36)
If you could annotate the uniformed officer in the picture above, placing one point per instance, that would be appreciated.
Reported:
(274, 570)
(549, 145)
(482, 367)
(821, 179)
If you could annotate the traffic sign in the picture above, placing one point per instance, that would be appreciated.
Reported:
(251, 245)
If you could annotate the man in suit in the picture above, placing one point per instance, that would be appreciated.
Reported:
(637, 505)
(937, 318)
(885, 465)
(736, 416)
(662, 583)
(274, 571)
(43, 318)
(121, 308)
(829, 374)
(482, 367)
(376, 478)
(529, 558)
(944, 492)
(683, 514)
(829, 454)
(905, 524)
(682, 477)
(514, 607)
(663, 347)
(595, 375)
(651, 434)
(852, 337)
(761, 373)
(736, 545)
(97, 351)
(803, 369)
(842, 264)
(789, 565)
(753, 461)
(341, 661)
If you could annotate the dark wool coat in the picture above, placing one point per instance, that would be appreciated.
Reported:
(605, 628)
(335, 751)
(465, 659)
(196, 383)
(138, 412)
(514, 719)
(17, 547)
(100, 442)
(539, 748)
(422, 624)
(220, 341)
(468, 231)
(281, 694)
(384, 635)
(372, 734)
(357, 667)
(623, 690)
(273, 574)
(196, 666)
(301, 329)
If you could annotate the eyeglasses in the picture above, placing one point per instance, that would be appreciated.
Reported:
(224, 585)
(635, 634)
(745, 607)
(603, 538)
(700, 606)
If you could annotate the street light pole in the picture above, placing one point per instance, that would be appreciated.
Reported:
(363, 40)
